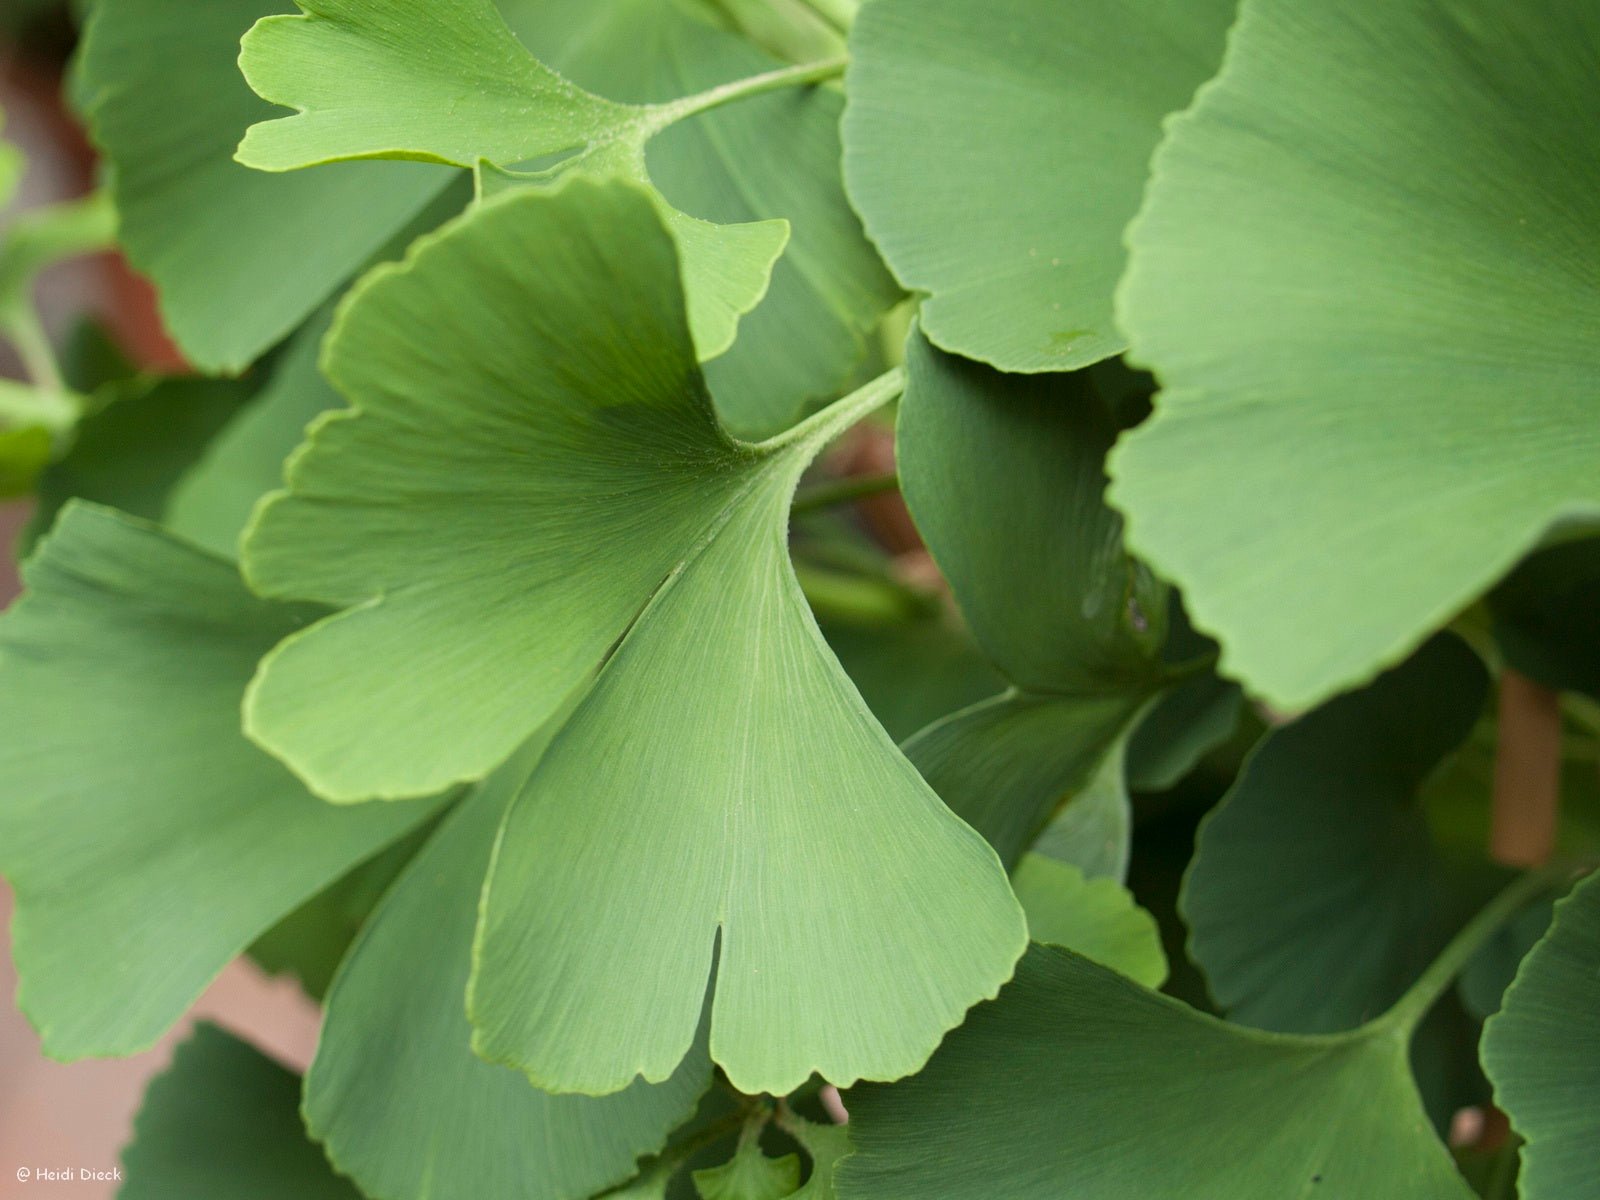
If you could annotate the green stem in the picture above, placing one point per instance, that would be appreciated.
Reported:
(33, 347)
(1407, 1014)
(1502, 1183)
(862, 601)
(673, 111)
(843, 491)
(24, 407)
(841, 414)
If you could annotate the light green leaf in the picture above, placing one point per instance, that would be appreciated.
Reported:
(1078, 1082)
(447, 81)
(997, 150)
(222, 1123)
(212, 501)
(239, 257)
(750, 1175)
(1336, 469)
(826, 1146)
(1000, 471)
(558, 425)
(1096, 918)
(396, 1093)
(171, 843)
(1542, 1053)
(766, 157)
(1094, 832)
(1315, 897)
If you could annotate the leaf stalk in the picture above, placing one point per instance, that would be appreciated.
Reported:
(673, 111)
(1408, 1012)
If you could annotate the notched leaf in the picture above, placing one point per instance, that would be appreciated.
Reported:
(721, 778)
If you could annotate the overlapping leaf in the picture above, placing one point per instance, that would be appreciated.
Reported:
(770, 156)
(1096, 918)
(1003, 473)
(449, 82)
(396, 1093)
(1316, 897)
(130, 453)
(239, 257)
(997, 150)
(1077, 1082)
(147, 841)
(1372, 315)
(1543, 1052)
(722, 780)
(223, 1123)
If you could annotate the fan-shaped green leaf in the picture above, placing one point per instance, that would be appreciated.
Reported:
(1000, 471)
(396, 1093)
(1078, 1082)
(1543, 1053)
(1096, 918)
(558, 426)
(447, 81)
(171, 843)
(239, 257)
(997, 150)
(1372, 316)
(766, 157)
(223, 1123)
(750, 1175)
(1315, 897)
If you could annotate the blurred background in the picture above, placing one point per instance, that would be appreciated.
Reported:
(55, 1115)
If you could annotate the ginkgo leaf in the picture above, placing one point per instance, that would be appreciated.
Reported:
(1078, 1082)
(750, 1175)
(557, 427)
(827, 1146)
(447, 81)
(223, 1123)
(1008, 764)
(172, 842)
(211, 501)
(997, 150)
(770, 156)
(1096, 918)
(1371, 319)
(1316, 897)
(1000, 470)
(397, 1095)
(1542, 1051)
(130, 453)
(239, 257)
(915, 673)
